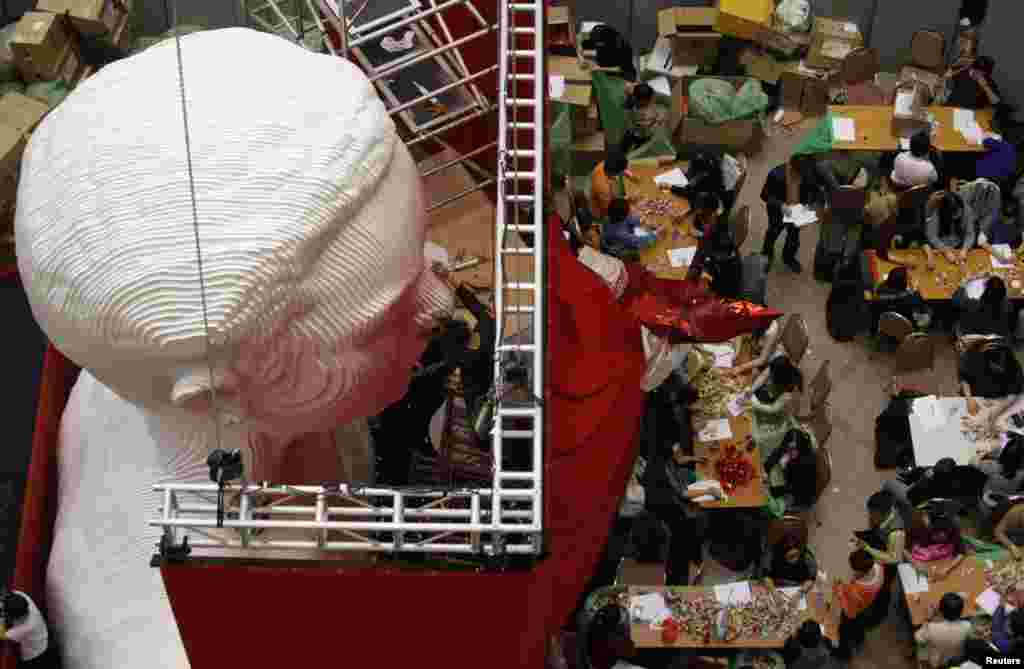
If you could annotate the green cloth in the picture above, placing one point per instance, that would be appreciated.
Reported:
(818, 140)
(717, 101)
(611, 103)
(658, 146)
(984, 550)
(560, 138)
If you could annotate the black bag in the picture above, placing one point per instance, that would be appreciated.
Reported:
(894, 446)
(846, 312)
(831, 250)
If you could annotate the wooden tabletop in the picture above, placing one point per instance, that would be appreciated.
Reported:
(644, 636)
(968, 579)
(674, 231)
(940, 284)
(874, 126)
(751, 495)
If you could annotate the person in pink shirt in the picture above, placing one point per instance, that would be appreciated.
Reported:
(915, 167)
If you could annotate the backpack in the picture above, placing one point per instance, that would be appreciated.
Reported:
(832, 249)
(893, 444)
(846, 313)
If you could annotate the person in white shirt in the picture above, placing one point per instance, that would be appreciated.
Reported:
(915, 167)
(940, 641)
(25, 626)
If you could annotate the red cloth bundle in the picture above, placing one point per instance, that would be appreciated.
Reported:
(687, 311)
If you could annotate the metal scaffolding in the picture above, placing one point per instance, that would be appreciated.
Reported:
(507, 518)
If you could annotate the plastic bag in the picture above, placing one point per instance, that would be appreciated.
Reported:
(751, 100)
(50, 92)
(818, 140)
(712, 100)
(794, 15)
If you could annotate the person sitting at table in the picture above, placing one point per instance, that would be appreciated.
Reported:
(776, 394)
(856, 600)
(1009, 523)
(1004, 471)
(607, 182)
(769, 346)
(808, 648)
(643, 116)
(984, 312)
(608, 642)
(948, 227)
(933, 536)
(790, 563)
(803, 179)
(915, 167)
(973, 86)
(983, 203)
(1008, 630)
(623, 233)
(703, 175)
(792, 469)
(942, 640)
(991, 371)
(895, 294)
(717, 255)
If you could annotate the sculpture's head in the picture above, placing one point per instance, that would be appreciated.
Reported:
(311, 230)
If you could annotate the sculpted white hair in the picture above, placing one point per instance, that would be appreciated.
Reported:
(304, 196)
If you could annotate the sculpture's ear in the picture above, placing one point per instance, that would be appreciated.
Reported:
(193, 390)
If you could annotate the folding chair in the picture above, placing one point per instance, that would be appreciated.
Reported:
(917, 351)
(795, 338)
(821, 388)
(894, 325)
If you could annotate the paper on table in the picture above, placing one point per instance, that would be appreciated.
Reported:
(844, 129)
(676, 177)
(913, 582)
(801, 215)
(588, 26)
(716, 430)
(738, 403)
(682, 257)
(791, 592)
(333, 4)
(725, 360)
(556, 86)
(661, 86)
(649, 608)
(962, 118)
(733, 593)
(975, 288)
(1002, 256)
(851, 27)
(904, 103)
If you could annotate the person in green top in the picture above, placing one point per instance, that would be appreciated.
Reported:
(776, 393)
(643, 116)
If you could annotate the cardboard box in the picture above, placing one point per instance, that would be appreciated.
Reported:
(90, 17)
(561, 35)
(587, 152)
(691, 35)
(831, 41)
(801, 96)
(40, 45)
(21, 113)
(753, 21)
(12, 147)
(732, 134)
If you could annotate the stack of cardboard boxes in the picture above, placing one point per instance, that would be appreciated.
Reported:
(47, 46)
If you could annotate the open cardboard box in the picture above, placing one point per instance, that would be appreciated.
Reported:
(801, 97)
(753, 21)
(579, 92)
(831, 41)
(693, 130)
(686, 41)
(561, 30)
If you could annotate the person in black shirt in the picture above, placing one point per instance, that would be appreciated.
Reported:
(799, 466)
(992, 372)
(973, 87)
(987, 315)
(612, 50)
(894, 294)
(816, 182)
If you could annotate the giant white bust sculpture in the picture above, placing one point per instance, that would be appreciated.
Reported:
(312, 230)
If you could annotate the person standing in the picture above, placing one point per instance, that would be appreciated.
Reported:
(25, 626)
(801, 180)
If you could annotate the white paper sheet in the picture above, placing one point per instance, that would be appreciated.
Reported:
(725, 360)
(676, 177)
(733, 593)
(716, 430)
(661, 86)
(661, 57)
(682, 257)
(905, 103)
(801, 215)
(975, 288)
(641, 231)
(738, 404)
(333, 4)
(844, 129)
(556, 86)
(999, 252)
(904, 144)
(851, 27)
(913, 582)
(791, 592)
(588, 26)
(649, 608)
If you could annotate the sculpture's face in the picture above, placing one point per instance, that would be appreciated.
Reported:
(311, 231)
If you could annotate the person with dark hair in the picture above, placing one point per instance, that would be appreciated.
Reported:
(643, 116)
(973, 86)
(990, 371)
(1008, 518)
(949, 227)
(704, 175)
(914, 167)
(790, 563)
(855, 599)
(982, 307)
(802, 180)
(934, 535)
(24, 625)
(612, 50)
(776, 394)
(944, 639)
(895, 294)
(792, 469)
(808, 648)
(1008, 630)
(1005, 472)
(885, 537)
(717, 255)
(650, 539)
(624, 234)
(607, 182)
(608, 644)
